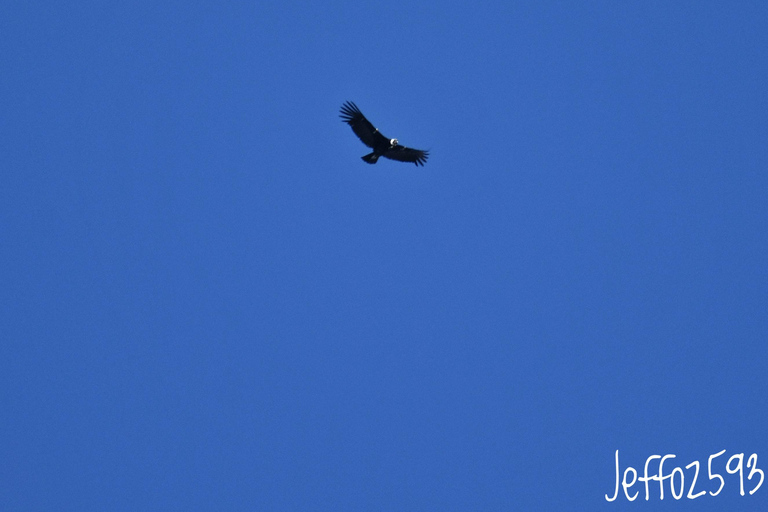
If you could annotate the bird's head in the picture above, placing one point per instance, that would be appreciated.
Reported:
(393, 142)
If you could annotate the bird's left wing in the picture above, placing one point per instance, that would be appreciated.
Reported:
(404, 154)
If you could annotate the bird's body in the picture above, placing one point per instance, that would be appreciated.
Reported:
(381, 145)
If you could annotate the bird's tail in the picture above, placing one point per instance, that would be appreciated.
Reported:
(371, 158)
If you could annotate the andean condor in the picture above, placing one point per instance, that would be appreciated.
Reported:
(371, 137)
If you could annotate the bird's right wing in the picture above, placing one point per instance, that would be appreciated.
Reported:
(363, 128)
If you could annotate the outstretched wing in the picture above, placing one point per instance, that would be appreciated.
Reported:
(404, 154)
(362, 127)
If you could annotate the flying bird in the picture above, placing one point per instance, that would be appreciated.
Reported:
(371, 137)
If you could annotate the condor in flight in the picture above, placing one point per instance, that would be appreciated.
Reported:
(371, 137)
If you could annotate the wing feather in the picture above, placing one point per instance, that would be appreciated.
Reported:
(405, 154)
(363, 128)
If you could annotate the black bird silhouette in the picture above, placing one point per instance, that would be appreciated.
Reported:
(381, 145)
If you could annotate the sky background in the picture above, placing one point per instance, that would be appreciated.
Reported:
(209, 302)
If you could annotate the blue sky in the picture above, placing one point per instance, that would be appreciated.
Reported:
(209, 302)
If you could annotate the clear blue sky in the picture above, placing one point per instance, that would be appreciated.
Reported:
(209, 302)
